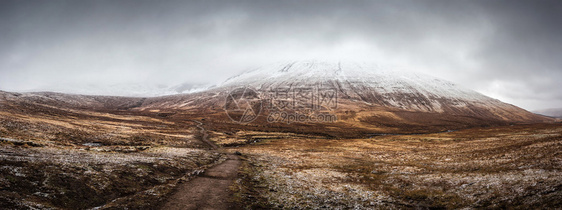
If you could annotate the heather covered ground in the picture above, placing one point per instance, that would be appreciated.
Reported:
(475, 168)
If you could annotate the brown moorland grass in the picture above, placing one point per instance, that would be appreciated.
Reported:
(497, 167)
(71, 158)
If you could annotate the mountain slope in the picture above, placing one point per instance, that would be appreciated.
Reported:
(553, 112)
(358, 99)
(409, 97)
(369, 83)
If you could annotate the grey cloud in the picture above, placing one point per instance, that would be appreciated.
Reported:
(483, 45)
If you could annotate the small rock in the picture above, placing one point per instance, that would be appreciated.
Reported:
(237, 153)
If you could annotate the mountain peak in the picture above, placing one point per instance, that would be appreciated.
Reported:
(368, 82)
(379, 95)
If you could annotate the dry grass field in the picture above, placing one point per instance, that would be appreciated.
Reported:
(497, 167)
(64, 157)
(61, 156)
(67, 178)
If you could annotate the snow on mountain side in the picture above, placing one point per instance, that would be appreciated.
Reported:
(367, 82)
(370, 99)
(408, 96)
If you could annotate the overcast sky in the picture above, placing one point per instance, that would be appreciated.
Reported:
(510, 50)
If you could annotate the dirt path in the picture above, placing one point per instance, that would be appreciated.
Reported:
(209, 190)
(204, 135)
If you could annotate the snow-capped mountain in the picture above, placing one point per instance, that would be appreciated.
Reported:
(369, 99)
(382, 95)
(366, 82)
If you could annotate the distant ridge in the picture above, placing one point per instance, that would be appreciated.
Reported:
(553, 112)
